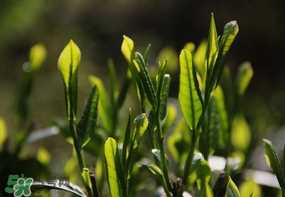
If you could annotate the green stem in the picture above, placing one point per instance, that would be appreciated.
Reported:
(72, 128)
(162, 156)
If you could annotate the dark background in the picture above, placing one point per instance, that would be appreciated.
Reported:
(98, 25)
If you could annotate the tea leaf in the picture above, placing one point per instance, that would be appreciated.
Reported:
(111, 154)
(245, 74)
(212, 48)
(169, 55)
(250, 188)
(231, 30)
(3, 132)
(43, 156)
(189, 100)
(232, 190)
(68, 61)
(128, 48)
(145, 79)
(163, 91)
(141, 124)
(104, 102)
(240, 134)
(88, 121)
(37, 56)
(273, 161)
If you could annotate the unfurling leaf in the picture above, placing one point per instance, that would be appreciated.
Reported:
(68, 62)
(189, 99)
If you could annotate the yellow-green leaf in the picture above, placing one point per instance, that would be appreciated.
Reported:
(128, 48)
(169, 55)
(43, 156)
(111, 151)
(231, 30)
(3, 132)
(37, 56)
(199, 58)
(250, 189)
(212, 42)
(189, 100)
(240, 135)
(69, 61)
(141, 124)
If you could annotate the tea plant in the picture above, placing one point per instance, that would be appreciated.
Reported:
(177, 149)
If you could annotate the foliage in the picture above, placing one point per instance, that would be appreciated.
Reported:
(176, 149)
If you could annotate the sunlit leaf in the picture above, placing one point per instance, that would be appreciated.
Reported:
(189, 46)
(169, 55)
(199, 58)
(240, 134)
(231, 30)
(244, 77)
(68, 61)
(111, 151)
(213, 46)
(37, 56)
(127, 48)
(232, 189)
(43, 156)
(273, 161)
(189, 100)
(250, 188)
(141, 124)
(3, 132)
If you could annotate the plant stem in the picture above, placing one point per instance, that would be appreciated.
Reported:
(72, 128)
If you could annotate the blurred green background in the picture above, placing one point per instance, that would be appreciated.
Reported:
(98, 25)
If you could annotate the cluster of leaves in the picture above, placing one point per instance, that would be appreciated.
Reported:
(177, 150)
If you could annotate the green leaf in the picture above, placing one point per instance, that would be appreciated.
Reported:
(43, 156)
(273, 161)
(104, 103)
(220, 113)
(141, 124)
(3, 132)
(189, 100)
(244, 77)
(169, 55)
(128, 48)
(213, 46)
(163, 96)
(231, 30)
(145, 79)
(68, 61)
(127, 138)
(111, 151)
(232, 189)
(199, 58)
(87, 180)
(37, 56)
(88, 121)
